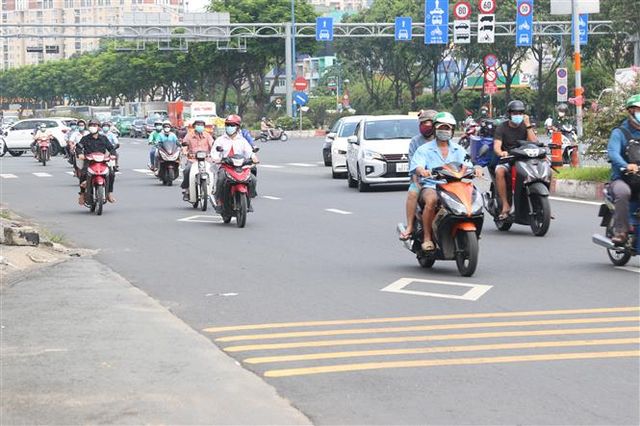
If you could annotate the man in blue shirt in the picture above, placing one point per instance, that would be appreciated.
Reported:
(434, 154)
(426, 134)
(616, 150)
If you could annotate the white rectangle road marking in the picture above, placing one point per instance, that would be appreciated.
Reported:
(302, 165)
(338, 211)
(8, 176)
(41, 174)
(143, 171)
(474, 293)
(271, 197)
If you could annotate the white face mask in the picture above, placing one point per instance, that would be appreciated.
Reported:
(93, 129)
(636, 115)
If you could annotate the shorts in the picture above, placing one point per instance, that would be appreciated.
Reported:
(414, 188)
(505, 166)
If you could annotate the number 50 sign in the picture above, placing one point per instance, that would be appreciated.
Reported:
(487, 6)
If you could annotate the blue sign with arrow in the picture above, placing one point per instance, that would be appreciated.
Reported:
(583, 26)
(403, 28)
(436, 21)
(324, 29)
(524, 23)
(300, 98)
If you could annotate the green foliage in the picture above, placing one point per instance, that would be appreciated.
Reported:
(458, 112)
(289, 123)
(591, 174)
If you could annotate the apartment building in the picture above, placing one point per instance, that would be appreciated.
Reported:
(15, 52)
(340, 5)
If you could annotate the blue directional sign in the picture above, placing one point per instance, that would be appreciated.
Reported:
(583, 26)
(324, 29)
(403, 28)
(524, 23)
(436, 21)
(300, 98)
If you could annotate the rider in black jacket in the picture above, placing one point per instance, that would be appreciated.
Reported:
(95, 142)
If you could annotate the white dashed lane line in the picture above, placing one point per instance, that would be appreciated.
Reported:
(41, 174)
(8, 176)
(271, 197)
(337, 211)
(270, 166)
(302, 165)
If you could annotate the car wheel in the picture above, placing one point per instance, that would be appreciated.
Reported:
(16, 153)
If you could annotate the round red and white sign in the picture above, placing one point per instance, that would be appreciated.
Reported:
(525, 8)
(462, 10)
(490, 76)
(487, 6)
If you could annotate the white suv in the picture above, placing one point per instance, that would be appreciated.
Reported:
(19, 135)
(346, 127)
(378, 152)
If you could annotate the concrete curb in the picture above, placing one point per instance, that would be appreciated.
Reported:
(584, 190)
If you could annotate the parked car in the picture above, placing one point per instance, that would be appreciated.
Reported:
(378, 151)
(124, 125)
(328, 141)
(137, 129)
(20, 135)
(346, 128)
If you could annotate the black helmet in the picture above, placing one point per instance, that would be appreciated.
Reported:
(515, 106)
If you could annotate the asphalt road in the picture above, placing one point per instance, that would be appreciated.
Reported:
(553, 340)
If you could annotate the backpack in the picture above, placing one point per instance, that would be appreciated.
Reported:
(632, 155)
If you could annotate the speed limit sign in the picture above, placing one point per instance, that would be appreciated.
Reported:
(487, 6)
(462, 10)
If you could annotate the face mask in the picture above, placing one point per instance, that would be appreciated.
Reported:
(93, 129)
(81, 128)
(230, 130)
(42, 129)
(443, 135)
(167, 129)
(74, 127)
(199, 128)
(158, 128)
(636, 115)
(517, 119)
(561, 114)
(105, 129)
(426, 129)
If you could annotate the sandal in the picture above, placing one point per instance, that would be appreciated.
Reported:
(619, 239)
(406, 235)
(428, 246)
(503, 216)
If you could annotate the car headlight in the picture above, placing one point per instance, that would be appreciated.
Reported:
(453, 204)
(372, 155)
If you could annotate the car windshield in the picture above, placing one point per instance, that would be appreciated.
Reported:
(348, 129)
(391, 129)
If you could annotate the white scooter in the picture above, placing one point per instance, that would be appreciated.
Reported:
(201, 178)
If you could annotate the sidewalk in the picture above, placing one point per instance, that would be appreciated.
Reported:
(80, 345)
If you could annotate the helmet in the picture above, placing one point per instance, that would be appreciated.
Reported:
(426, 115)
(515, 106)
(73, 123)
(158, 122)
(562, 108)
(633, 101)
(82, 121)
(106, 123)
(93, 122)
(166, 123)
(233, 120)
(444, 118)
(263, 119)
(198, 120)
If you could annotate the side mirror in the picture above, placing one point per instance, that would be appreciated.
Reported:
(219, 148)
(331, 136)
(352, 139)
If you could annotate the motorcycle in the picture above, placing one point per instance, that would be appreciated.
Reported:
(470, 129)
(569, 142)
(200, 182)
(235, 197)
(457, 223)
(278, 134)
(527, 189)
(42, 150)
(98, 170)
(168, 158)
(619, 255)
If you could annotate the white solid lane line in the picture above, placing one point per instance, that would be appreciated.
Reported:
(41, 174)
(629, 268)
(271, 197)
(143, 171)
(8, 176)
(302, 165)
(337, 211)
(571, 200)
(70, 173)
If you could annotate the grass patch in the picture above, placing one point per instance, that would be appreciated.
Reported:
(5, 214)
(53, 237)
(592, 174)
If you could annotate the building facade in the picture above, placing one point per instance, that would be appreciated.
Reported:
(16, 52)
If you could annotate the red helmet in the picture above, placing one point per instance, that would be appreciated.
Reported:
(233, 120)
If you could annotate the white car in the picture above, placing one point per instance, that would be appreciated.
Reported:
(19, 135)
(344, 128)
(378, 152)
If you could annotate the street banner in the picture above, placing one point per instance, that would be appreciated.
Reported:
(583, 27)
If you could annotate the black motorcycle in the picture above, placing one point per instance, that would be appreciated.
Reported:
(168, 157)
(527, 189)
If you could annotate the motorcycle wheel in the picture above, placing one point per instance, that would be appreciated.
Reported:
(16, 153)
(541, 217)
(99, 199)
(467, 252)
(203, 196)
(426, 261)
(241, 205)
(55, 148)
(618, 258)
(43, 159)
(284, 137)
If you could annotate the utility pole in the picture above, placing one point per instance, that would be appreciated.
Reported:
(289, 68)
(579, 90)
(293, 51)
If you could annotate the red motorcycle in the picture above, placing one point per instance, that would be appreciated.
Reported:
(235, 195)
(98, 177)
(43, 153)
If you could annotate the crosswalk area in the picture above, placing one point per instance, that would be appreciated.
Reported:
(351, 345)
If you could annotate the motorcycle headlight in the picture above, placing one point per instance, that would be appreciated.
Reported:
(453, 204)
(372, 155)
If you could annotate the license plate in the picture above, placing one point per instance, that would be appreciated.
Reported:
(402, 167)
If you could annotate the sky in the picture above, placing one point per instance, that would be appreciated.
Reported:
(197, 5)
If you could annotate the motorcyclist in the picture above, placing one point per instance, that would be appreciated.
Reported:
(548, 125)
(507, 134)
(166, 134)
(436, 153)
(246, 133)
(73, 129)
(41, 132)
(425, 118)
(89, 144)
(195, 141)
(232, 143)
(153, 140)
(266, 126)
(107, 130)
(616, 149)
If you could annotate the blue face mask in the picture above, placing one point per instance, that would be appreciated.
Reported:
(636, 115)
(199, 128)
(105, 129)
(74, 127)
(230, 130)
(81, 128)
(517, 119)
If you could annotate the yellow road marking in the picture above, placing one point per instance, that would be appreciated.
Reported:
(458, 336)
(342, 368)
(424, 328)
(420, 318)
(441, 349)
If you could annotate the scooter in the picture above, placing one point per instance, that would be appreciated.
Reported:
(42, 153)
(98, 171)
(235, 196)
(527, 189)
(457, 223)
(200, 182)
(278, 134)
(168, 158)
(619, 255)
(569, 142)
(471, 127)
